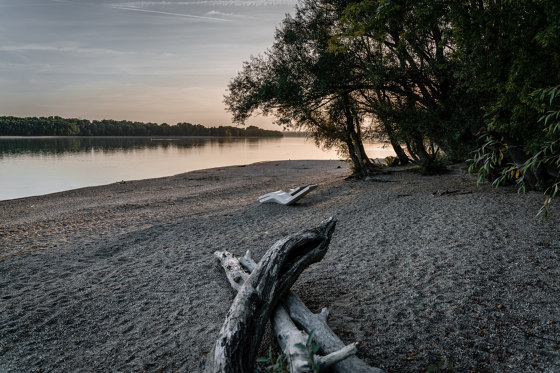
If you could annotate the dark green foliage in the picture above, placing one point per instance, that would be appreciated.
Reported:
(510, 56)
(443, 71)
(491, 161)
(271, 364)
(310, 349)
(57, 126)
(509, 49)
(410, 67)
(429, 75)
(306, 85)
(488, 158)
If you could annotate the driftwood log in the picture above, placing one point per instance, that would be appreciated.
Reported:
(286, 332)
(317, 323)
(236, 348)
(289, 336)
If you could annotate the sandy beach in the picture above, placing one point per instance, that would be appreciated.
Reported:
(421, 269)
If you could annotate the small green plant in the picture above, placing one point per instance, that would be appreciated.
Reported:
(279, 364)
(444, 365)
(311, 349)
(271, 364)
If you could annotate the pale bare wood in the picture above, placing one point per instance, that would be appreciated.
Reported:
(327, 361)
(235, 273)
(237, 344)
(286, 332)
(288, 337)
(317, 323)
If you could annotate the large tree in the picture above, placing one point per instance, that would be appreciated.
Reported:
(409, 63)
(510, 49)
(305, 84)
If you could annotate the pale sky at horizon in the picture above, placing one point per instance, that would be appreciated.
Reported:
(149, 61)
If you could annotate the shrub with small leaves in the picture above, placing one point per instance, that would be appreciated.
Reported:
(488, 161)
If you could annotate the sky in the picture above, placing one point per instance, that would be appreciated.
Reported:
(148, 61)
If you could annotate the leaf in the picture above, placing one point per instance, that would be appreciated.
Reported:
(309, 338)
(315, 349)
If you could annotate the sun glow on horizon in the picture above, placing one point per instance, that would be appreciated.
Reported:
(146, 61)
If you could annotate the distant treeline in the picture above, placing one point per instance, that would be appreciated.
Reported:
(57, 126)
(296, 134)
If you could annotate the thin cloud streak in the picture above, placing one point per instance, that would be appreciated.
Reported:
(98, 59)
(233, 15)
(239, 3)
(55, 48)
(170, 14)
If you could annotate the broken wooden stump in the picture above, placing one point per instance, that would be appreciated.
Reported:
(237, 345)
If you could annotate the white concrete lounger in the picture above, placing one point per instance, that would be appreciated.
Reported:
(287, 198)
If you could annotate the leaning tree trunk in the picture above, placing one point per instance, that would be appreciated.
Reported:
(237, 345)
(357, 165)
(401, 154)
(362, 164)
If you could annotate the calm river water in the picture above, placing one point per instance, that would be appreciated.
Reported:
(34, 166)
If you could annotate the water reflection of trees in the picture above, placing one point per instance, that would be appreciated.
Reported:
(58, 146)
(65, 145)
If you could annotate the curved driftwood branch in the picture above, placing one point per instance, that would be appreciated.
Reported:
(323, 335)
(238, 341)
(286, 332)
(317, 323)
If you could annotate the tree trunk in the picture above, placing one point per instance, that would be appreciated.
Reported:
(357, 165)
(362, 164)
(237, 344)
(421, 149)
(401, 154)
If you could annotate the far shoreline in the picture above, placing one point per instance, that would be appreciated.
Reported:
(142, 137)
